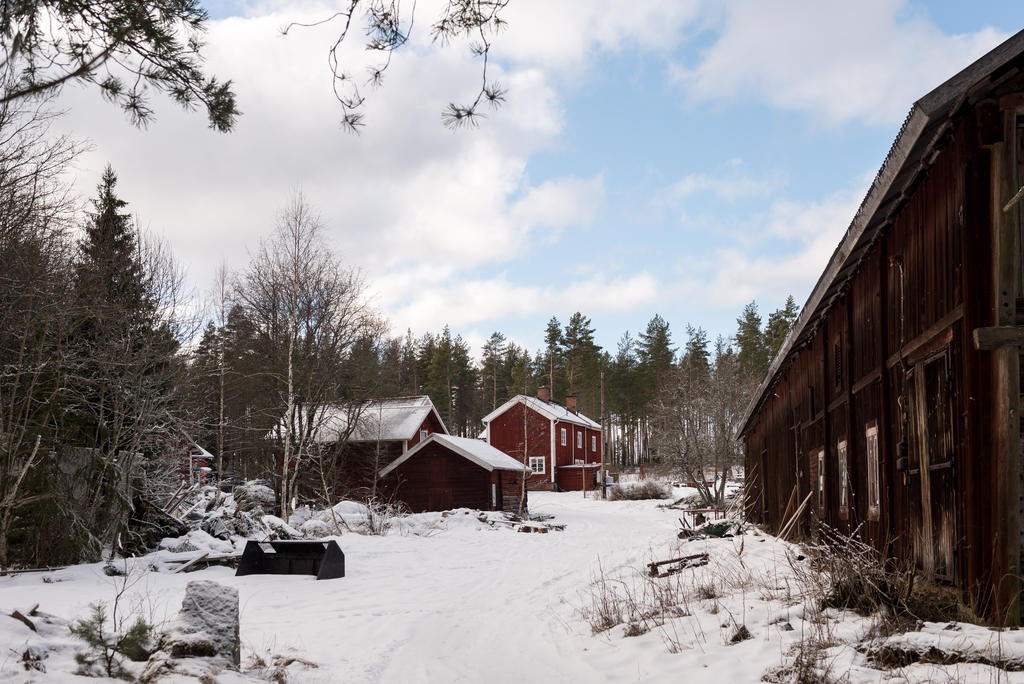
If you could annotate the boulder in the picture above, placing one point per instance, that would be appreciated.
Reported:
(254, 497)
(204, 637)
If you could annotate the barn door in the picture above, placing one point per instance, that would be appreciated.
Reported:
(932, 463)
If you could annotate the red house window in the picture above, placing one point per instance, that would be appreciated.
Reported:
(563, 437)
(593, 442)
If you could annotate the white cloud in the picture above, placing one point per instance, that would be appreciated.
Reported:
(729, 184)
(469, 302)
(561, 203)
(838, 61)
(734, 276)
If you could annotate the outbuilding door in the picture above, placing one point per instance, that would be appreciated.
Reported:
(932, 463)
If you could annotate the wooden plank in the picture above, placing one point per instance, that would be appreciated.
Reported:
(1006, 420)
(996, 337)
(941, 326)
(192, 562)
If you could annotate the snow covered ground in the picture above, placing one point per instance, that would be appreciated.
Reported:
(455, 599)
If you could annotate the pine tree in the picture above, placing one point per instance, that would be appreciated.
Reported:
(752, 351)
(493, 355)
(655, 352)
(581, 359)
(550, 367)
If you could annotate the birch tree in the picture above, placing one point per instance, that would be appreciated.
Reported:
(308, 310)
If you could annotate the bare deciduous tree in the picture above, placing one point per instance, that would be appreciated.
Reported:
(308, 309)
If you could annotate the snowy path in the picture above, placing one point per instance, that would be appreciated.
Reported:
(461, 606)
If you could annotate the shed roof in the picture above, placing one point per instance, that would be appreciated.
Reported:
(385, 419)
(922, 136)
(480, 453)
(546, 408)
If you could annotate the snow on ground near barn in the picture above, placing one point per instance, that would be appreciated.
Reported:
(457, 600)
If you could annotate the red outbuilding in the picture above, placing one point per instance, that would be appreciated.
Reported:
(561, 446)
(444, 472)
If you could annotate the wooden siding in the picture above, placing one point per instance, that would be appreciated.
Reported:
(894, 352)
(505, 433)
(437, 479)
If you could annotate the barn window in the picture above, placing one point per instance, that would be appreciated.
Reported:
(564, 442)
(844, 481)
(593, 442)
(537, 465)
(874, 491)
(821, 481)
(423, 435)
(579, 440)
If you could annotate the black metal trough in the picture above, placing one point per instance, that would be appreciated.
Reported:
(324, 559)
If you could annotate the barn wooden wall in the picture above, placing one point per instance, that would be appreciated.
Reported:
(903, 321)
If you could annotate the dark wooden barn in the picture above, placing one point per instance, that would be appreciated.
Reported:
(893, 407)
(445, 472)
(561, 445)
(355, 437)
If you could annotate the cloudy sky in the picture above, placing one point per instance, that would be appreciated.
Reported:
(681, 157)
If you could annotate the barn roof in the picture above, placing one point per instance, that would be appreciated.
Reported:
(925, 131)
(393, 419)
(480, 453)
(546, 408)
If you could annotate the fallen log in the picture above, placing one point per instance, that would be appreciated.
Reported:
(681, 564)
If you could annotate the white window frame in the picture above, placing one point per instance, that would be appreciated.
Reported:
(579, 440)
(534, 460)
(564, 438)
(874, 486)
(593, 443)
(423, 435)
(844, 480)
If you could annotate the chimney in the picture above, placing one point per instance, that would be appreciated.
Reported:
(543, 393)
(570, 403)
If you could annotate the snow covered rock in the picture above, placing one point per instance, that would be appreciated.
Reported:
(280, 529)
(315, 529)
(204, 637)
(254, 497)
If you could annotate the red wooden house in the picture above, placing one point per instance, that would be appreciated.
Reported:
(444, 472)
(561, 446)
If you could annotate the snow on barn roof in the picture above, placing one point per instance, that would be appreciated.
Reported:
(481, 453)
(546, 408)
(385, 419)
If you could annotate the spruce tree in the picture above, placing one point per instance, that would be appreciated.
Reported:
(780, 323)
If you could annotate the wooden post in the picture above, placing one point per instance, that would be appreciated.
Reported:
(1006, 419)
(604, 477)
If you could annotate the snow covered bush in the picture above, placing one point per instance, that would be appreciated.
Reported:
(380, 516)
(648, 489)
